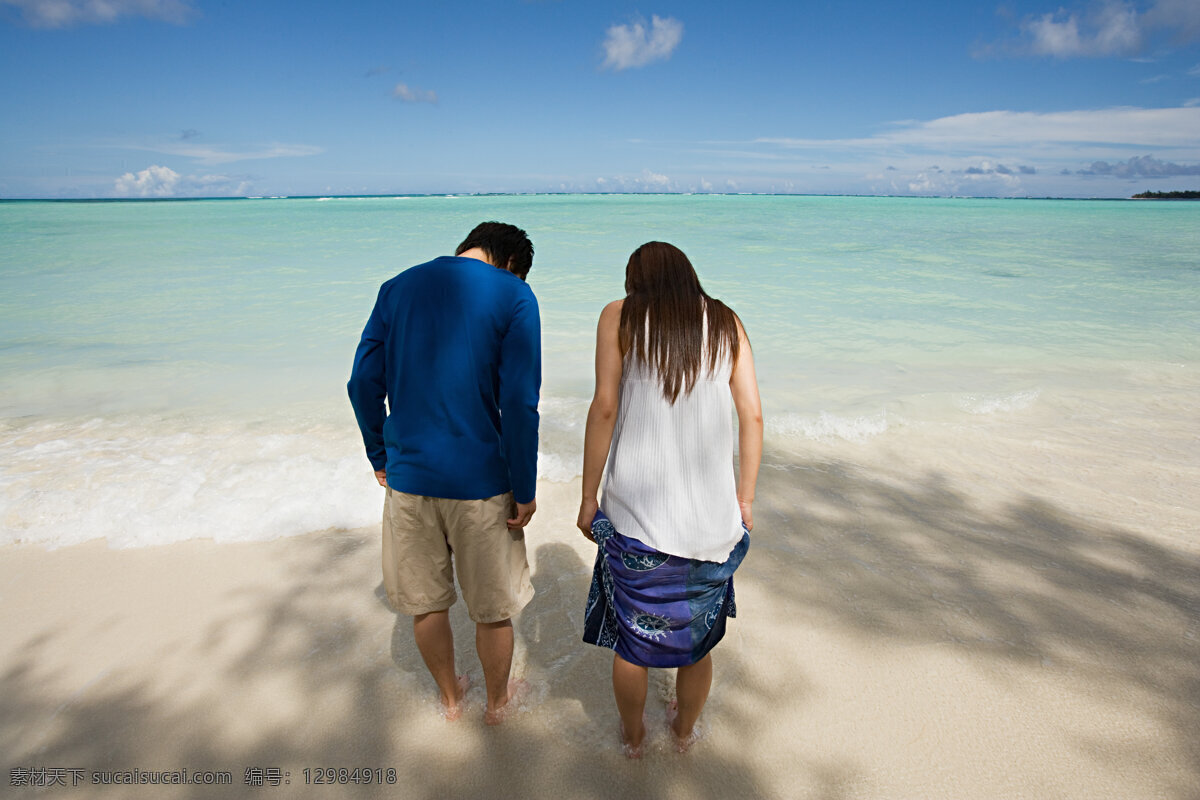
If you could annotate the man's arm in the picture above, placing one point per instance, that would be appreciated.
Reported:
(520, 384)
(368, 387)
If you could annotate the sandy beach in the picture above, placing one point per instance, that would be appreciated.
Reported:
(932, 629)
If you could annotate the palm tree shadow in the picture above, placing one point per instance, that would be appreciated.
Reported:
(1029, 584)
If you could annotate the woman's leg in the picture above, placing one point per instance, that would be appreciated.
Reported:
(691, 692)
(630, 684)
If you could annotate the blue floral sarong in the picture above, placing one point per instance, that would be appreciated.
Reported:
(654, 609)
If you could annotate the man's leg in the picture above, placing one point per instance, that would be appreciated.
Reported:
(413, 542)
(494, 575)
(435, 640)
(494, 643)
(630, 683)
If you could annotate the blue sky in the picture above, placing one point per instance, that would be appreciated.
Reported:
(162, 98)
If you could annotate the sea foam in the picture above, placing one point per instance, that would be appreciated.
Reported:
(147, 481)
(998, 403)
(142, 482)
(825, 426)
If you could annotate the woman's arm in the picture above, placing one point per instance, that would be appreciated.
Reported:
(602, 414)
(744, 386)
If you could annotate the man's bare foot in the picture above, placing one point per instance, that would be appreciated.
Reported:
(518, 690)
(631, 746)
(454, 711)
(683, 742)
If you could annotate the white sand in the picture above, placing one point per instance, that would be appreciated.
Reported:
(908, 628)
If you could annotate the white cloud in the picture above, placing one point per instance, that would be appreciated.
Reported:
(67, 13)
(972, 182)
(1194, 71)
(628, 46)
(407, 94)
(207, 154)
(160, 182)
(924, 183)
(987, 167)
(983, 178)
(647, 181)
(1065, 130)
(153, 181)
(1107, 28)
(1111, 29)
(1142, 167)
(655, 179)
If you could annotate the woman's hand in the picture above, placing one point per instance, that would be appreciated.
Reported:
(587, 512)
(747, 508)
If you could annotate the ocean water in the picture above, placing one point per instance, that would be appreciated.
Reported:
(173, 370)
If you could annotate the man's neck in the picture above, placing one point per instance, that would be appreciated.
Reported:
(477, 253)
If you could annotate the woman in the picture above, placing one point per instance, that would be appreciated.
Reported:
(675, 522)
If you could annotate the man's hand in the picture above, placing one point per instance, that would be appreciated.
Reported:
(523, 513)
(381, 476)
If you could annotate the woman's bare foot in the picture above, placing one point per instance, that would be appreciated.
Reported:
(454, 711)
(631, 746)
(683, 741)
(518, 690)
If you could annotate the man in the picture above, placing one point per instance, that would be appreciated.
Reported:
(454, 346)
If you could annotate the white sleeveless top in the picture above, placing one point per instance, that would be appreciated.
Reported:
(669, 480)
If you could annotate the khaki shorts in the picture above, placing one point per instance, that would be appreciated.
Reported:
(421, 533)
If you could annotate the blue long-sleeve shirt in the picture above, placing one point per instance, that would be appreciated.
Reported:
(454, 347)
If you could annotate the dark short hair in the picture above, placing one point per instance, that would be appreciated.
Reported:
(507, 245)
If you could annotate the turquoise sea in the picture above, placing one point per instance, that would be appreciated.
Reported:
(174, 370)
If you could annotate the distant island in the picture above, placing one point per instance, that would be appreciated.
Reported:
(1188, 195)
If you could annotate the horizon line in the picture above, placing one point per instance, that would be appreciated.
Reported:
(555, 194)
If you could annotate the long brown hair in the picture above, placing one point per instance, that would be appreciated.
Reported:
(663, 319)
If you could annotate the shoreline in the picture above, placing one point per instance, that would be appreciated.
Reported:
(906, 628)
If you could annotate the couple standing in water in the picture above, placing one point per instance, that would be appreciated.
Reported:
(445, 389)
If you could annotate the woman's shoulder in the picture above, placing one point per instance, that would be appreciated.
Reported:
(610, 321)
(611, 314)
